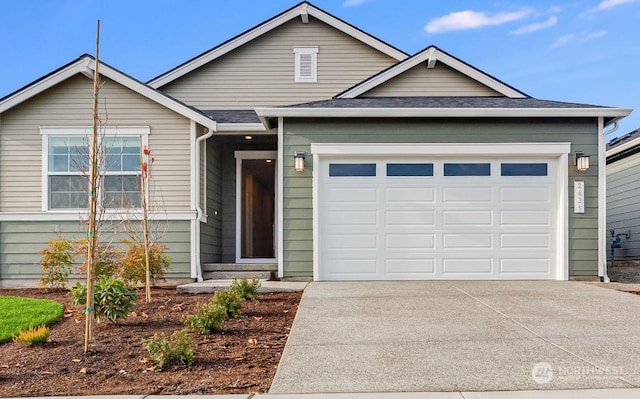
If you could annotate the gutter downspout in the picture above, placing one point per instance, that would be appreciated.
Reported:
(199, 212)
(602, 174)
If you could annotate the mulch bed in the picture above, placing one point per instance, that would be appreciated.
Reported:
(241, 360)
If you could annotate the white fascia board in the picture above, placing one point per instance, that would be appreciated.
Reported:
(153, 95)
(265, 113)
(624, 147)
(28, 92)
(440, 148)
(240, 127)
(425, 56)
(268, 26)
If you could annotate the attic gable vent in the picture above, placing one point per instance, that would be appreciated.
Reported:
(306, 64)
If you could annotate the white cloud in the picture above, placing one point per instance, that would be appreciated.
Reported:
(537, 26)
(563, 40)
(578, 37)
(463, 20)
(595, 35)
(353, 3)
(607, 4)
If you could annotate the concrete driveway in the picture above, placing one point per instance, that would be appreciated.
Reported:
(461, 336)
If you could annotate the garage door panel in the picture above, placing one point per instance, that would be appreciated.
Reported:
(352, 241)
(525, 217)
(468, 266)
(467, 218)
(352, 267)
(410, 218)
(467, 241)
(410, 266)
(524, 194)
(410, 241)
(352, 218)
(525, 266)
(525, 241)
(412, 195)
(352, 195)
(467, 194)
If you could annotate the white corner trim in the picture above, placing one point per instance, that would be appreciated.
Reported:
(562, 270)
(267, 26)
(315, 201)
(602, 201)
(430, 55)
(280, 199)
(440, 149)
(299, 112)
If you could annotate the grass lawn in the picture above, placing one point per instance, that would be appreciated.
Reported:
(21, 313)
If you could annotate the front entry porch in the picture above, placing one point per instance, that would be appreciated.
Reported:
(229, 271)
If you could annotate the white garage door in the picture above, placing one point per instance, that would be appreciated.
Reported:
(395, 218)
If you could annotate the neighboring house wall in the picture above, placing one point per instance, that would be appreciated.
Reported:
(300, 133)
(69, 105)
(262, 72)
(623, 205)
(439, 81)
(21, 241)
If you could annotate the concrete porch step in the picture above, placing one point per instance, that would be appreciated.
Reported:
(223, 267)
(231, 274)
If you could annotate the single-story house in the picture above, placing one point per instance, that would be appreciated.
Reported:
(623, 196)
(310, 145)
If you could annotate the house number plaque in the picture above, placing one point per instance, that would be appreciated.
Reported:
(578, 197)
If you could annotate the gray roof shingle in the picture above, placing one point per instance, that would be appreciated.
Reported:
(232, 116)
(440, 102)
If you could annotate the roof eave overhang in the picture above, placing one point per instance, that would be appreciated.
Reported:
(240, 128)
(265, 114)
(624, 147)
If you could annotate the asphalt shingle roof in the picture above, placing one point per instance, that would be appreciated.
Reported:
(232, 116)
(618, 141)
(440, 102)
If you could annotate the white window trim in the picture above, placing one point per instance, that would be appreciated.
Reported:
(306, 50)
(47, 132)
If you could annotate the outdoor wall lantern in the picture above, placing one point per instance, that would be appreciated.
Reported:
(582, 161)
(298, 161)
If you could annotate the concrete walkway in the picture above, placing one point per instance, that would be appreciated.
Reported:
(465, 336)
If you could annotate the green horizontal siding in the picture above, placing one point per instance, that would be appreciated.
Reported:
(299, 133)
(21, 241)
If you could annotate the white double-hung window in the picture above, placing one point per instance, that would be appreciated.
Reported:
(66, 154)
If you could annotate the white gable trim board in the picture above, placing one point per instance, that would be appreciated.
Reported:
(396, 212)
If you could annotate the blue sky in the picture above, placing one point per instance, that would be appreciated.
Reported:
(584, 51)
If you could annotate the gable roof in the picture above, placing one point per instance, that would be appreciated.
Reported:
(431, 55)
(302, 10)
(440, 107)
(85, 65)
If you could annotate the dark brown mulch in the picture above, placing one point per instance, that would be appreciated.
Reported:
(242, 360)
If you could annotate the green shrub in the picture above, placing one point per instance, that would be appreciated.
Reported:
(56, 262)
(113, 298)
(247, 290)
(33, 335)
(166, 351)
(230, 301)
(207, 319)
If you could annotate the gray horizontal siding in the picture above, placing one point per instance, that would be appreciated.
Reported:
(623, 204)
(21, 241)
(261, 72)
(211, 232)
(439, 81)
(69, 104)
(300, 133)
